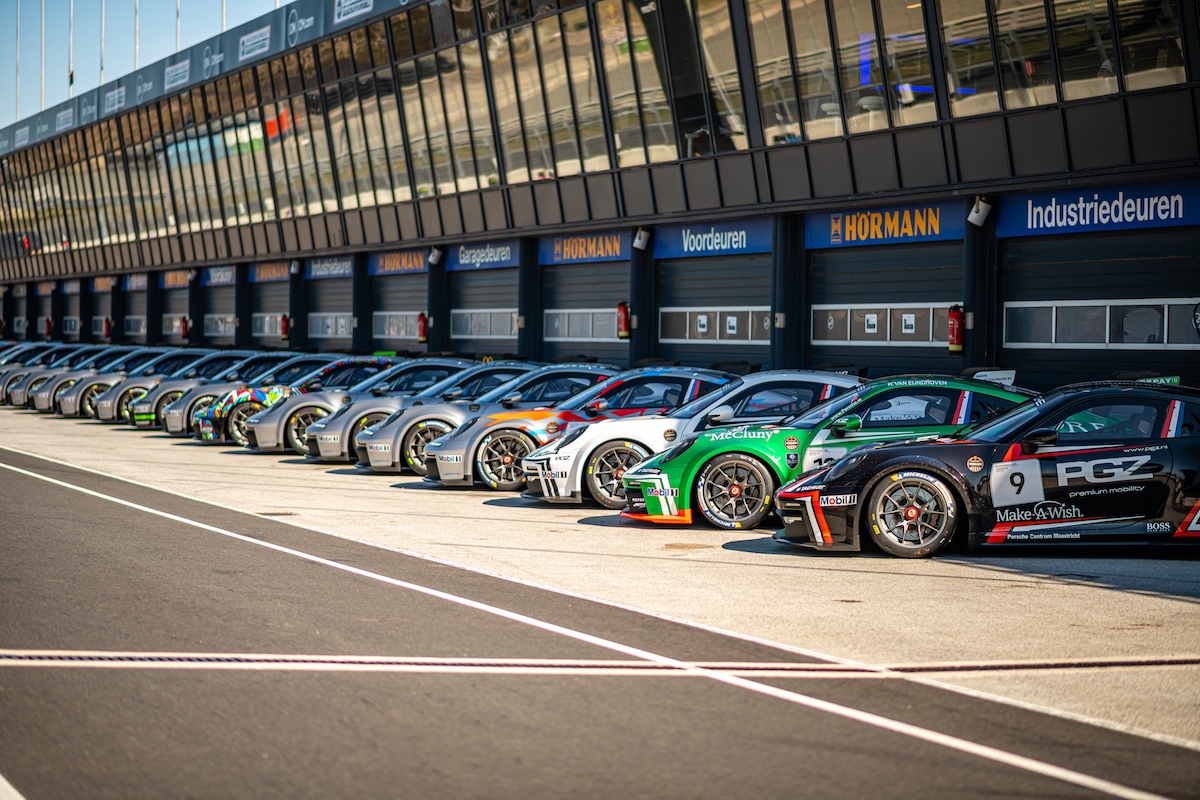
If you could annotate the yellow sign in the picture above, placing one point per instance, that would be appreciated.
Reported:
(407, 261)
(867, 226)
(175, 279)
(589, 248)
(102, 284)
(271, 271)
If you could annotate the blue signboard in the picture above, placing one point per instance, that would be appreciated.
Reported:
(583, 248)
(920, 222)
(1147, 205)
(713, 239)
(137, 283)
(400, 263)
(491, 255)
(218, 276)
(270, 271)
(316, 269)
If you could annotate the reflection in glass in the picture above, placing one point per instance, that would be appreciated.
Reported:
(435, 124)
(470, 63)
(863, 92)
(557, 86)
(393, 135)
(906, 62)
(773, 72)
(508, 112)
(343, 168)
(970, 68)
(533, 108)
(376, 153)
(1023, 48)
(1150, 37)
(1080, 324)
(414, 123)
(1029, 325)
(720, 62)
(1087, 63)
(320, 146)
(1136, 324)
(657, 120)
(585, 90)
(622, 91)
(276, 131)
(456, 121)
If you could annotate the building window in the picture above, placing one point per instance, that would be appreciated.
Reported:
(20, 325)
(881, 324)
(266, 326)
(1160, 324)
(219, 325)
(70, 325)
(330, 326)
(483, 323)
(135, 326)
(395, 324)
(581, 325)
(98, 327)
(715, 325)
(172, 324)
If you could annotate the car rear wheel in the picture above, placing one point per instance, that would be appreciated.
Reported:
(911, 514)
(359, 427)
(296, 427)
(415, 440)
(607, 465)
(87, 400)
(498, 459)
(735, 490)
(235, 426)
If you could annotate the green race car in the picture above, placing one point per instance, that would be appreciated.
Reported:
(731, 474)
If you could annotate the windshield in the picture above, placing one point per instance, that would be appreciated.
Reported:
(19, 353)
(80, 356)
(380, 378)
(451, 382)
(252, 368)
(102, 359)
(705, 401)
(819, 413)
(165, 362)
(135, 359)
(1004, 428)
(498, 393)
(215, 364)
(49, 357)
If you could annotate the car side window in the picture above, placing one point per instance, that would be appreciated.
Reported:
(775, 400)
(216, 366)
(649, 393)
(487, 381)
(555, 388)
(418, 379)
(984, 407)
(1105, 422)
(340, 377)
(909, 408)
(296, 371)
(1190, 424)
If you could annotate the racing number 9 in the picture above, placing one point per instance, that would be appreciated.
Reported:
(1017, 479)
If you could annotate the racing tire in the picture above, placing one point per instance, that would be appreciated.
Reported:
(87, 399)
(164, 401)
(295, 430)
(606, 466)
(125, 401)
(359, 427)
(498, 459)
(735, 490)
(235, 423)
(911, 514)
(419, 435)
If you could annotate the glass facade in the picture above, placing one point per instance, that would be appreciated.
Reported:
(458, 95)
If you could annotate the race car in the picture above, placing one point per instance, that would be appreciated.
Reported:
(731, 474)
(20, 391)
(1094, 463)
(491, 447)
(79, 399)
(148, 411)
(45, 397)
(261, 370)
(285, 425)
(116, 404)
(228, 417)
(19, 354)
(43, 358)
(594, 458)
(400, 441)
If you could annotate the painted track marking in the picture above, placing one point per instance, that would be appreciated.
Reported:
(985, 752)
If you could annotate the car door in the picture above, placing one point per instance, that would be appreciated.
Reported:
(1106, 477)
(891, 416)
(1183, 437)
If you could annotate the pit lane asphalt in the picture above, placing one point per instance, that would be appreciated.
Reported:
(85, 575)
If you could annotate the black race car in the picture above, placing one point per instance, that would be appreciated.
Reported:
(1100, 463)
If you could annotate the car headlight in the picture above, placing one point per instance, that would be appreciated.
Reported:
(341, 412)
(680, 448)
(843, 466)
(63, 387)
(461, 428)
(37, 382)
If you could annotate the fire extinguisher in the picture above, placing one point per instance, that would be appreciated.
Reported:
(49, 327)
(622, 320)
(183, 327)
(107, 328)
(422, 328)
(955, 329)
(285, 327)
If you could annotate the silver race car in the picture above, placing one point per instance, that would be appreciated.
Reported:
(79, 399)
(400, 442)
(594, 458)
(177, 416)
(491, 447)
(148, 412)
(46, 396)
(20, 392)
(116, 404)
(330, 437)
(45, 358)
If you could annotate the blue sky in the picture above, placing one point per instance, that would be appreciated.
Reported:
(199, 19)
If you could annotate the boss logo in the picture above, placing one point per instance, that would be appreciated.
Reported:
(1158, 527)
(1105, 470)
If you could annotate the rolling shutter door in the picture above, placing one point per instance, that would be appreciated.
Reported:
(101, 310)
(1082, 307)
(715, 309)
(71, 313)
(593, 291)
(269, 301)
(174, 308)
(330, 313)
(885, 307)
(219, 314)
(396, 300)
(135, 308)
(483, 310)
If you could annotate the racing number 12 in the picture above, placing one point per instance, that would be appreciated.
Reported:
(1016, 483)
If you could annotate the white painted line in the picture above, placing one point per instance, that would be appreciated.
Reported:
(7, 792)
(874, 720)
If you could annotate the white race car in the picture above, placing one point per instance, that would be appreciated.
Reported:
(595, 457)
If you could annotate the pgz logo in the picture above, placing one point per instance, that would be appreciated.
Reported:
(1105, 470)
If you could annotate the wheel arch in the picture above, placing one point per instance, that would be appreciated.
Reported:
(958, 486)
(469, 461)
(580, 466)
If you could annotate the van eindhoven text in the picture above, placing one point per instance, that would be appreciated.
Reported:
(1103, 212)
(867, 225)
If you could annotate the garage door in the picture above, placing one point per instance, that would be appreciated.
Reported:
(584, 277)
(399, 288)
(101, 307)
(71, 323)
(329, 285)
(270, 301)
(483, 298)
(135, 308)
(220, 304)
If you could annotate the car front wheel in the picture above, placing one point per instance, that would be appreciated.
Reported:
(735, 490)
(87, 400)
(911, 514)
(415, 440)
(608, 464)
(498, 459)
(296, 428)
(235, 426)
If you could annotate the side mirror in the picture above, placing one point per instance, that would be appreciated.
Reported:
(843, 425)
(453, 394)
(266, 380)
(191, 374)
(511, 400)
(379, 391)
(233, 376)
(1042, 437)
(313, 386)
(596, 407)
(720, 416)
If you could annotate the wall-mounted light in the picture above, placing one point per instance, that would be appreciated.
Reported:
(979, 212)
(191, 275)
(294, 267)
(435, 256)
(641, 239)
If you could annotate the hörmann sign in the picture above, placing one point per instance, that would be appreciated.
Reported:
(270, 271)
(1134, 207)
(174, 279)
(399, 263)
(584, 247)
(927, 222)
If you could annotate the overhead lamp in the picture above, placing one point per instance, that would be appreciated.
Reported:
(979, 212)
(435, 256)
(294, 267)
(641, 239)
